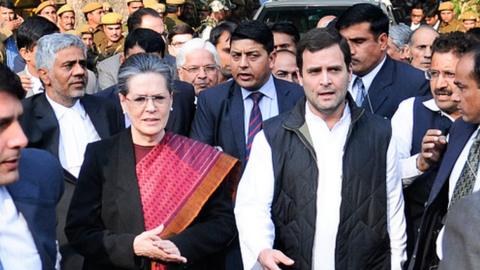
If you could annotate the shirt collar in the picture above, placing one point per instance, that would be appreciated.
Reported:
(60, 110)
(368, 78)
(432, 106)
(37, 83)
(346, 116)
(267, 89)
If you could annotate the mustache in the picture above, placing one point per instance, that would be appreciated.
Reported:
(442, 91)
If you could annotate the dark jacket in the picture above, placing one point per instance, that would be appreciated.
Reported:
(362, 239)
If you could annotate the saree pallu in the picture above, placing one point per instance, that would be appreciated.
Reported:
(176, 178)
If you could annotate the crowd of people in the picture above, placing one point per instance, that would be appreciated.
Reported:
(186, 140)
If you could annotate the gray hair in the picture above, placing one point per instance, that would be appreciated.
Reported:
(421, 27)
(142, 63)
(195, 44)
(48, 46)
(400, 35)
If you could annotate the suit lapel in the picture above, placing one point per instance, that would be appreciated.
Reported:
(377, 91)
(128, 197)
(97, 116)
(455, 147)
(48, 124)
(282, 96)
(237, 116)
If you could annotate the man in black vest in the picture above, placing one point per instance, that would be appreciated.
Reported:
(321, 188)
(430, 117)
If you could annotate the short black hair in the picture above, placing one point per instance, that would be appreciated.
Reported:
(288, 28)
(418, 6)
(473, 35)
(361, 13)
(218, 30)
(321, 38)
(475, 74)
(255, 30)
(432, 12)
(7, 4)
(455, 42)
(135, 19)
(32, 29)
(10, 83)
(147, 39)
(180, 29)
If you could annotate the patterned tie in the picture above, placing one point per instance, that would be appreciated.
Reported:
(467, 178)
(360, 91)
(255, 124)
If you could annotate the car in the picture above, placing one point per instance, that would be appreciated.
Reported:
(304, 14)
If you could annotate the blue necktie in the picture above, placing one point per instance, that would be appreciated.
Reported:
(255, 123)
(360, 91)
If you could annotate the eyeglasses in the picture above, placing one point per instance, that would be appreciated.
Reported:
(196, 69)
(141, 101)
(431, 74)
(177, 44)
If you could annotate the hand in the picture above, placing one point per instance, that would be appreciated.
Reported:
(433, 144)
(171, 250)
(269, 259)
(26, 82)
(144, 245)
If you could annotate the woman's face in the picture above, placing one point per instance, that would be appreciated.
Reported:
(147, 104)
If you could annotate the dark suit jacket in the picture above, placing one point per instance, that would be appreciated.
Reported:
(219, 120)
(437, 204)
(36, 194)
(394, 83)
(183, 107)
(41, 128)
(106, 212)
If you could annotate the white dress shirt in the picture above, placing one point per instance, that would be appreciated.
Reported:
(402, 130)
(268, 104)
(76, 131)
(367, 80)
(414, 27)
(17, 248)
(452, 181)
(255, 195)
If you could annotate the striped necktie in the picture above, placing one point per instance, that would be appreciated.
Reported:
(255, 123)
(360, 91)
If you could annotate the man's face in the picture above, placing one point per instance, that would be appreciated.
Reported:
(250, 63)
(469, 91)
(325, 79)
(469, 24)
(134, 6)
(421, 48)
(67, 20)
(223, 50)
(87, 39)
(416, 15)
(66, 81)
(177, 43)
(153, 23)
(6, 14)
(12, 138)
(366, 49)
(113, 32)
(200, 70)
(395, 52)
(282, 41)
(285, 66)
(50, 13)
(442, 81)
(96, 16)
(431, 20)
(446, 15)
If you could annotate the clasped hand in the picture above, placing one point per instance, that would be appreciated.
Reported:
(149, 244)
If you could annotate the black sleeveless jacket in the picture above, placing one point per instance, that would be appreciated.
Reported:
(362, 239)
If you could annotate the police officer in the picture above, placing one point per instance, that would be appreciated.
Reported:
(47, 10)
(174, 11)
(113, 41)
(93, 15)
(66, 18)
(447, 15)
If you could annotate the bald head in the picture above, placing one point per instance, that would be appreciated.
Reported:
(420, 46)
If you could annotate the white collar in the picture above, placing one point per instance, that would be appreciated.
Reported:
(368, 78)
(60, 110)
(432, 106)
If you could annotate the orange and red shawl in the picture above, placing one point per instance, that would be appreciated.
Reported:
(176, 178)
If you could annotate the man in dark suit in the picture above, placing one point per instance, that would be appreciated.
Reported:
(27, 206)
(63, 120)
(379, 83)
(183, 107)
(458, 170)
(223, 112)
